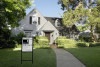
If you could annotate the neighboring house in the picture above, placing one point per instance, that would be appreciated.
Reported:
(34, 24)
(86, 33)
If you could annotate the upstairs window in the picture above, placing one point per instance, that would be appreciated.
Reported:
(38, 20)
(30, 20)
(33, 20)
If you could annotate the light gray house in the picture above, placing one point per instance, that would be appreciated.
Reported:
(34, 24)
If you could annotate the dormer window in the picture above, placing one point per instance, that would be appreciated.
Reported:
(57, 23)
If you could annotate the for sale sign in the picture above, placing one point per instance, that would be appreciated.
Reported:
(27, 44)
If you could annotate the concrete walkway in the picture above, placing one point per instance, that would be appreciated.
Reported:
(66, 59)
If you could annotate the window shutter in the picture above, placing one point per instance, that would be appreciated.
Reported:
(38, 20)
(30, 20)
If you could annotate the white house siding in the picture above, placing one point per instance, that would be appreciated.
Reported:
(42, 20)
(25, 25)
(46, 26)
(49, 27)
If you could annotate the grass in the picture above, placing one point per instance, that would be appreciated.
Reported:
(90, 56)
(41, 58)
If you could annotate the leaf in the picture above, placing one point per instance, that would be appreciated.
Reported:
(8, 10)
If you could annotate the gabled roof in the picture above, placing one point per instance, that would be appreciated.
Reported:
(52, 20)
(61, 28)
(31, 11)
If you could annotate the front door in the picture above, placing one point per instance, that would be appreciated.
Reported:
(47, 34)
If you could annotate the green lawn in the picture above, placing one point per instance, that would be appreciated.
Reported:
(41, 58)
(90, 56)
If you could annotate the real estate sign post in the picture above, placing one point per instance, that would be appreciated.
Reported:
(27, 46)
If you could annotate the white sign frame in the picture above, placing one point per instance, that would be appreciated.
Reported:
(27, 44)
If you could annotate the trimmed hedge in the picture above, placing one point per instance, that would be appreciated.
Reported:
(82, 44)
(40, 42)
(85, 39)
(94, 44)
(70, 43)
(60, 41)
(61, 37)
(65, 43)
(85, 44)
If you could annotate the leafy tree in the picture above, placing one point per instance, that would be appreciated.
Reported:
(81, 28)
(11, 11)
(70, 17)
(94, 18)
(91, 14)
(70, 4)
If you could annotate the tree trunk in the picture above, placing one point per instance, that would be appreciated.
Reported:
(69, 33)
(92, 26)
(92, 33)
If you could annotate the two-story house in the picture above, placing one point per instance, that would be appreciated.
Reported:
(35, 24)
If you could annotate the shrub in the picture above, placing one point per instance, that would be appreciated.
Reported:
(94, 44)
(98, 43)
(5, 35)
(85, 44)
(70, 43)
(3, 43)
(41, 37)
(60, 41)
(82, 44)
(19, 37)
(66, 43)
(7, 44)
(61, 37)
(40, 42)
(86, 39)
(98, 39)
(11, 44)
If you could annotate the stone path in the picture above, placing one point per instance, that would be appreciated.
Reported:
(66, 59)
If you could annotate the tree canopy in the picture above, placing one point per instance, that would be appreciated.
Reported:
(91, 13)
(11, 11)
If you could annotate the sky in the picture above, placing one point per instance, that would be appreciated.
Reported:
(48, 8)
